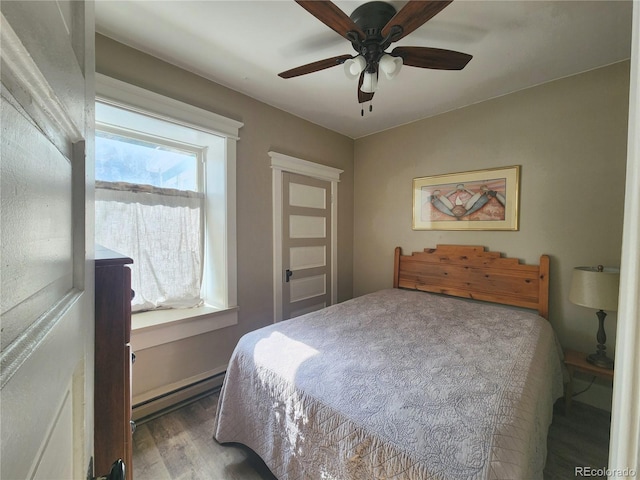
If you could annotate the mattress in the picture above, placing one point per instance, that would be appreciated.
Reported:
(396, 385)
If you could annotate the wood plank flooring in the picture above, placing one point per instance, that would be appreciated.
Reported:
(179, 446)
(577, 439)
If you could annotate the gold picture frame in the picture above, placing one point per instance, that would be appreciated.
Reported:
(476, 200)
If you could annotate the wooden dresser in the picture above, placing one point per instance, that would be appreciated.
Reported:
(113, 360)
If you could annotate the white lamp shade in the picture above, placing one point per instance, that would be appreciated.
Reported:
(595, 289)
(369, 82)
(390, 65)
(354, 67)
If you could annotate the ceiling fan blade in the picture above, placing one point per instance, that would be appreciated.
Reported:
(329, 14)
(315, 66)
(362, 96)
(413, 15)
(436, 58)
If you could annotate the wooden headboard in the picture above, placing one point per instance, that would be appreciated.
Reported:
(471, 272)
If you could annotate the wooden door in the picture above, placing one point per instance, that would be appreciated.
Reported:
(47, 278)
(306, 245)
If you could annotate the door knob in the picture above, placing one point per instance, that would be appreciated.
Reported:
(287, 273)
(117, 472)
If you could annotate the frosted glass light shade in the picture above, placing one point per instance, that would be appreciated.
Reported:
(354, 67)
(369, 82)
(390, 65)
(595, 289)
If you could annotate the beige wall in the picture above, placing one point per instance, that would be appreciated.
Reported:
(570, 138)
(265, 129)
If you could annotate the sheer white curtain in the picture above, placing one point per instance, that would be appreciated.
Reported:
(161, 230)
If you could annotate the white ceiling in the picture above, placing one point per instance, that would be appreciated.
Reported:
(245, 44)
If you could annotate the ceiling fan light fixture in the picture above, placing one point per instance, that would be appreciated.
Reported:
(371, 29)
(390, 65)
(354, 67)
(369, 82)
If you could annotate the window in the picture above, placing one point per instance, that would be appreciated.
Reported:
(165, 196)
(150, 204)
(138, 160)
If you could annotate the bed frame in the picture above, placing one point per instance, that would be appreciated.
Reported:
(471, 272)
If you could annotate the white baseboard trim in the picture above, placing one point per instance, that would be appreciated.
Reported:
(163, 398)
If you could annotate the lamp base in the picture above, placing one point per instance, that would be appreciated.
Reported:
(600, 360)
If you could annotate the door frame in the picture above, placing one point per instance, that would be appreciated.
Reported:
(624, 446)
(281, 163)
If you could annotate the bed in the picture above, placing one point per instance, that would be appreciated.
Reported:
(448, 375)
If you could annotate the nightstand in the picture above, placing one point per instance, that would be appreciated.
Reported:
(577, 362)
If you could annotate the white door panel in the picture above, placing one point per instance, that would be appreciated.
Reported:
(307, 257)
(307, 226)
(46, 381)
(45, 390)
(36, 225)
(307, 196)
(308, 287)
(61, 434)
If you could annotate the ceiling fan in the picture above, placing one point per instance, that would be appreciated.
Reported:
(371, 29)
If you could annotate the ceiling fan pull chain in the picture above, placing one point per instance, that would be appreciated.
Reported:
(362, 108)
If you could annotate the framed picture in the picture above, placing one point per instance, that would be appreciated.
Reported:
(478, 200)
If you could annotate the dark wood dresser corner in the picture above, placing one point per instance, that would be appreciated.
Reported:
(112, 391)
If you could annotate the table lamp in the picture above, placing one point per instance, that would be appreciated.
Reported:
(597, 287)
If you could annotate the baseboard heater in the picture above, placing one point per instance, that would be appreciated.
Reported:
(174, 399)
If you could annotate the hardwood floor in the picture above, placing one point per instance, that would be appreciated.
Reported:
(179, 446)
(578, 439)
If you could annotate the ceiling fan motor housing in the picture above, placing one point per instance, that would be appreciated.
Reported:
(371, 17)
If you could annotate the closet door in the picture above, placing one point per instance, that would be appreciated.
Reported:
(306, 245)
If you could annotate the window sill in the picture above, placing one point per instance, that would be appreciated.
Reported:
(150, 329)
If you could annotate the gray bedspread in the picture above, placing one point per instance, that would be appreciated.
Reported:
(396, 385)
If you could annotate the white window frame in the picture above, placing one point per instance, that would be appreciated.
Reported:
(220, 310)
